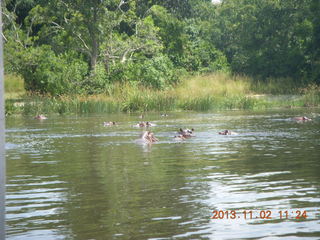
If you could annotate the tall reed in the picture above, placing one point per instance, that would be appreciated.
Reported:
(199, 93)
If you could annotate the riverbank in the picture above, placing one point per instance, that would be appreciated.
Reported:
(218, 91)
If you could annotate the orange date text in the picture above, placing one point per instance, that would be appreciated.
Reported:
(259, 214)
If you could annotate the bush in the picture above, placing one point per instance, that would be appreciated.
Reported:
(44, 72)
(157, 72)
(98, 81)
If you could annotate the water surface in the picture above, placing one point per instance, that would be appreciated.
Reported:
(69, 177)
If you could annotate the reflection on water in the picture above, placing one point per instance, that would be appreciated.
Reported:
(73, 178)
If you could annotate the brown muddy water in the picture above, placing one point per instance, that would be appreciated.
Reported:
(69, 177)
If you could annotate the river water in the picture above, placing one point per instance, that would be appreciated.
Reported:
(69, 177)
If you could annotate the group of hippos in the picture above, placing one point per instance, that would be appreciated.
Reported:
(148, 136)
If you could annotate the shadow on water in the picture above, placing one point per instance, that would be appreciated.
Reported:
(73, 178)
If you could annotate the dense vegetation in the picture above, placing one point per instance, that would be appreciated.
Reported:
(80, 46)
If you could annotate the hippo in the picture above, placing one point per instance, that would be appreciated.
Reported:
(186, 133)
(302, 119)
(109, 123)
(227, 132)
(179, 137)
(40, 117)
(149, 137)
(145, 124)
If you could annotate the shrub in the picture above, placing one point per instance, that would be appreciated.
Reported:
(203, 57)
(98, 81)
(157, 72)
(44, 72)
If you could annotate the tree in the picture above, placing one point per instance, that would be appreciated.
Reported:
(314, 48)
(265, 38)
(80, 25)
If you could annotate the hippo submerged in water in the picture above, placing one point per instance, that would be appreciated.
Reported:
(40, 117)
(179, 137)
(109, 123)
(302, 119)
(227, 132)
(185, 133)
(148, 137)
(145, 124)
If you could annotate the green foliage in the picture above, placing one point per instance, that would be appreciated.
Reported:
(79, 46)
(44, 72)
(98, 81)
(10, 108)
(180, 9)
(13, 52)
(120, 72)
(268, 38)
(199, 53)
(171, 31)
(157, 72)
(121, 50)
(201, 93)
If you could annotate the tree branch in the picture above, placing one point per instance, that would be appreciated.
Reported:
(122, 2)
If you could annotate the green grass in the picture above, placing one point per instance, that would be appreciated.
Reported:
(200, 93)
(36, 104)
(275, 86)
(215, 91)
(13, 86)
(218, 84)
(311, 95)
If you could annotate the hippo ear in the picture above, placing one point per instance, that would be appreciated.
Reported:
(180, 130)
(192, 129)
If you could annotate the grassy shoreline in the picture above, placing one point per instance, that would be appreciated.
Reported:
(217, 91)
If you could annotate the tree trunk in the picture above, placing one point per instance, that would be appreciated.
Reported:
(94, 41)
(94, 53)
